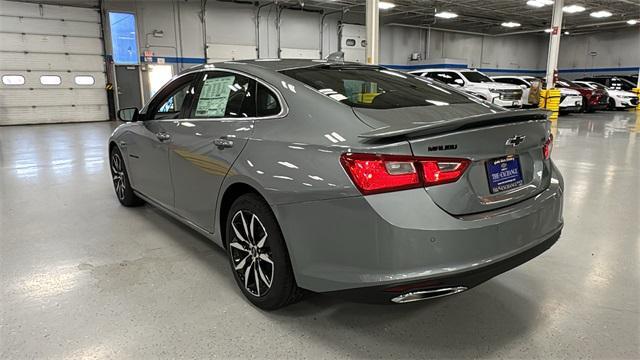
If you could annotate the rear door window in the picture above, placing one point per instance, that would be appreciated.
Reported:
(224, 94)
(267, 103)
(373, 87)
(446, 77)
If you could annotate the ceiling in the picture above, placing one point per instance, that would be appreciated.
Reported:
(479, 16)
(485, 16)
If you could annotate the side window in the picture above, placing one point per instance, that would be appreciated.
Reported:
(225, 95)
(267, 104)
(446, 77)
(170, 106)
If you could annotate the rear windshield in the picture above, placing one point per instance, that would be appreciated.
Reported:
(375, 88)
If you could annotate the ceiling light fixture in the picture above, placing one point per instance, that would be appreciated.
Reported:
(535, 3)
(632, 22)
(601, 14)
(566, 33)
(546, 2)
(548, 30)
(446, 15)
(572, 9)
(383, 5)
(510, 24)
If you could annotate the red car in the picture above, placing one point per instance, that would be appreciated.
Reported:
(592, 99)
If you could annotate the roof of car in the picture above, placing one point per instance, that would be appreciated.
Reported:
(271, 64)
(441, 69)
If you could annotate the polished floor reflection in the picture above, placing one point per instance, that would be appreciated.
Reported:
(82, 276)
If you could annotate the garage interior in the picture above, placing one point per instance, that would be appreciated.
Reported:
(84, 277)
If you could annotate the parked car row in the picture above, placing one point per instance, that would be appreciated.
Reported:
(584, 95)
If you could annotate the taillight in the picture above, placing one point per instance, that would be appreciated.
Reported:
(548, 146)
(383, 173)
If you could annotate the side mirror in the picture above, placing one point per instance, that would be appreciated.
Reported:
(128, 114)
(459, 81)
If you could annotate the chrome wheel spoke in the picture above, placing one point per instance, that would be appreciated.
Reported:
(237, 245)
(265, 257)
(246, 276)
(262, 241)
(255, 275)
(242, 263)
(263, 277)
(246, 229)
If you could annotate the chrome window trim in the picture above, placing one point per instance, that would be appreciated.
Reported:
(284, 106)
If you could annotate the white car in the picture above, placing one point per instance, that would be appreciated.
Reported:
(478, 84)
(570, 100)
(618, 99)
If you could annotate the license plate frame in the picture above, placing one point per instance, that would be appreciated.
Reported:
(504, 173)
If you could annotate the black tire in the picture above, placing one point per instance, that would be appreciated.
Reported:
(612, 105)
(120, 179)
(258, 254)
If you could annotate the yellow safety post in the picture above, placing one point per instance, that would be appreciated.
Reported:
(637, 91)
(550, 100)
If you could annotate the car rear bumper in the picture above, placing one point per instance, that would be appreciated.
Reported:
(445, 285)
(404, 237)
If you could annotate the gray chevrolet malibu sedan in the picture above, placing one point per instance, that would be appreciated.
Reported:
(342, 178)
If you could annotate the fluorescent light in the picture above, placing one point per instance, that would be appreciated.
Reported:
(548, 30)
(510, 24)
(566, 33)
(535, 3)
(572, 9)
(632, 22)
(446, 15)
(546, 2)
(383, 5)
(601, 14)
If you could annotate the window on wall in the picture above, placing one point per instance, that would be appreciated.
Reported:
(124, 37)
(84, 80)
(13, 79)
(50, 80)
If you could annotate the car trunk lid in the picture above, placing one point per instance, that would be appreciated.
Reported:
(489, 138)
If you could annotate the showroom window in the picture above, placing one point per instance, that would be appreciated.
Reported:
(124, 39)
(50, 80)
(13, 79)
(85, 80)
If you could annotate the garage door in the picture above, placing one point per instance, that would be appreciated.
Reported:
(51, 64)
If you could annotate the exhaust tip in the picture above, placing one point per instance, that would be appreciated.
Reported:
(427, 294)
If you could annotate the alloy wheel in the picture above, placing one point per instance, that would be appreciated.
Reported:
(250, 253)
(117, 172)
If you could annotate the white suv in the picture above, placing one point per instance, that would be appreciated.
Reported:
(570, 100)
(478, 84)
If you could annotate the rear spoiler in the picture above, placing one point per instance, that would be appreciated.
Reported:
(442, 126)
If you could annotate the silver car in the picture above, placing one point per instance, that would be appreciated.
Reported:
(343, 178)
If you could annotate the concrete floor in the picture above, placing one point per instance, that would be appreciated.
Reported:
(82, 276)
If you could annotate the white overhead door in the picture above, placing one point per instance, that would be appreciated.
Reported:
(52, 66)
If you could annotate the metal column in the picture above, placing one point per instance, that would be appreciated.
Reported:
(554, 42)
(373, 31)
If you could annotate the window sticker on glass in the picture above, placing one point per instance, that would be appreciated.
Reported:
(214, 96)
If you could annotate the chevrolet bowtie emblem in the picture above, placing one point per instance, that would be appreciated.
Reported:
(515, 141)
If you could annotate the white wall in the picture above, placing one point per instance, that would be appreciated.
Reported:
(234, 24)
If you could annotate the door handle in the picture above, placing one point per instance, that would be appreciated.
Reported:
(223, 142)
(163, 136)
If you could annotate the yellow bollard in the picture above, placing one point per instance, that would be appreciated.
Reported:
(637, 91)
(550, 100)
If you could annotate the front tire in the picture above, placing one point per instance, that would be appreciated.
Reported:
(120, 177)
(258, 255)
